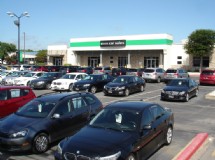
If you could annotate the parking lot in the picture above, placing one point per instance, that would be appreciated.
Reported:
(191, 118)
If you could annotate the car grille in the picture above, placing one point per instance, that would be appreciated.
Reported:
(57, 83)
(4, 135)
(172, 92)
(111, 88)
(72, 156)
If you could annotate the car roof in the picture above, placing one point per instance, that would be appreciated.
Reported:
(14, 87)
(76, 73)
(131, 105)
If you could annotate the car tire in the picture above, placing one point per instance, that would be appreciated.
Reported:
(187, 97)
(141, 88)
(71, 87)
(48, 85)
(131, 157)
(40, 143)
(93, 89)
(169, 135)
(127, 92)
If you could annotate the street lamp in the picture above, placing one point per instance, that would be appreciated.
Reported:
(17, 23)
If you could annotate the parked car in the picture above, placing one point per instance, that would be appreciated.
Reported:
(13, 97)
(92, 83)
(88, 70)
(101, 70)
(45, 81)
(126, 130)
(153, 74)
(53, 68)
(124, 85)
(26, 79)
(180, 89)
(69, 69)
(207, 76)
(66, 81)
(4, 74)
(47, 119)
(175, 73)
(9, 80)
(118, 71)
(41, 68)
(131, 71)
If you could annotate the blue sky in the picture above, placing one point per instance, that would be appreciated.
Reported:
(53, 22)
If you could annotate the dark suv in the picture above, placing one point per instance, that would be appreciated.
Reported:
(47, 119)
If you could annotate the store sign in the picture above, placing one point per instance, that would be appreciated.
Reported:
(112, 43)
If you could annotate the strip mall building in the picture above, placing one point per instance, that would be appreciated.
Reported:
(133, 51)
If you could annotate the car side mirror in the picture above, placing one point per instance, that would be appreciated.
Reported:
(147, 127)
(56, 116)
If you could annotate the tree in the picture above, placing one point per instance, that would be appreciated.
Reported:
(5, 49)
(200, 43)
(41, 56)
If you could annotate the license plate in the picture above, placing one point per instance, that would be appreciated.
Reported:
(77, 89)
(170, 96)
(109, 91)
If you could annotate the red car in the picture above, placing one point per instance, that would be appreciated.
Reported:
(14, 97)
(207, 76)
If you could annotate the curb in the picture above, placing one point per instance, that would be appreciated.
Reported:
(192, 147)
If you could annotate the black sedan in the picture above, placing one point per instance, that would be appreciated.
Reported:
(124, 85)
(180, 89)
(122, 130)
(44, 82)
(92, 83)
(47, 119)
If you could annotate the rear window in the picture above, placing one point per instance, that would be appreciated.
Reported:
(98, 68)
(132, 70)
(171, 71)
(208, 72)
(149, 70)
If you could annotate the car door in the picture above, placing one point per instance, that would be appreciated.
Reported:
(192, 88)
(132, 83)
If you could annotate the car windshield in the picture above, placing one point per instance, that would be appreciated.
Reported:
(178, 82)
(46, 75)
(17, 74)
(91, 77)
(29, 75)
(36, 109)
(68, 76)
(149, 70)
(117, 119)
(121, 80)
(171, 71)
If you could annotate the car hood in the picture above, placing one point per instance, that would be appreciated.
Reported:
(14, 123)
(98, 141)
(175, 88)
(112, 84)
(64, 80)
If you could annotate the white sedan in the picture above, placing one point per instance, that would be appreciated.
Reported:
(25, 80)
(66, 82)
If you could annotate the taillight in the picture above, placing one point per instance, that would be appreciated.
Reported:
(120, 73)
(176, 74)
(85, 70)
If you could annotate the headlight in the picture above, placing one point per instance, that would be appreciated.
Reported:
(59, 149)
(86, 85)
(182, 93)
(19, 134)
(110, 157)
(105, 87)
(120, 88)
(162, 91)
(40, 82)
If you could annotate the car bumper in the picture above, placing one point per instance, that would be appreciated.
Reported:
(38, 86)
(173, 97)
(81, 88)
(204, 81)
(16, 144)
(59, 87)
(111, 92)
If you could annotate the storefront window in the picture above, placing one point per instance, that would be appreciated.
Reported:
(196, 62)
(122, 61)
(151, 62)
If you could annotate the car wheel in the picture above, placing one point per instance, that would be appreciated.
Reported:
(187, 97)
(127, 92)
(131, 157)
(158, 80)
(141, 88)
(93, 89)
(70, 87)
(48, 85)
(197, 93)
(40, 143)
(169, 134)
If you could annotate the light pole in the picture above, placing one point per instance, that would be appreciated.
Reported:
(17, 23)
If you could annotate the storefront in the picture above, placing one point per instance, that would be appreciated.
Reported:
(134, 51)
